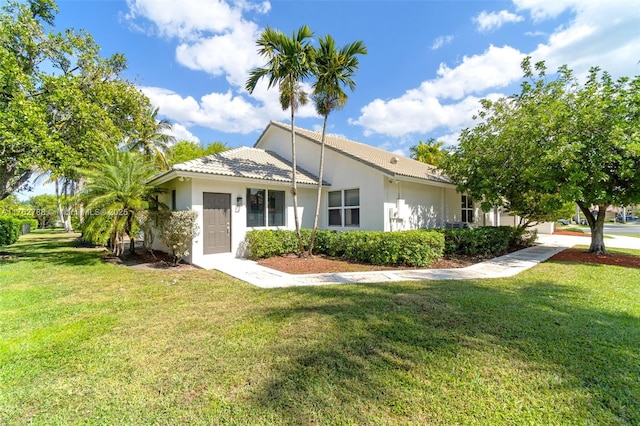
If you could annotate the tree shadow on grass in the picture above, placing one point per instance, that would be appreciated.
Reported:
(387, 352)
(47, 249)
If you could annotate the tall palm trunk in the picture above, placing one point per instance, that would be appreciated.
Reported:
(68, 191)
(314, 231)
(56, 183)
(294, 184)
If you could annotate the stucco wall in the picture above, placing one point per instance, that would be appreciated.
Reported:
(410, 205)
(183, 202)
(385, 203)
(238, 224)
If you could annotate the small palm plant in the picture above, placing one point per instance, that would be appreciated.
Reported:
(114, 195)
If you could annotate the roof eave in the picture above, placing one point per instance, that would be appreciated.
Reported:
(161, 178)
(431, 182)
(176, 174)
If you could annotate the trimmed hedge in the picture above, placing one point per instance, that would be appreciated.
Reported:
(481, 241)
(410, 248)
(9, 230)
(261, 244)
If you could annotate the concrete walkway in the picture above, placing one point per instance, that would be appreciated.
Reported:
(499, 267)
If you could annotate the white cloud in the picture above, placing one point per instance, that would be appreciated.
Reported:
(600, 33)
(490, 21)
(181, 133)
(425, 109)
(441, 41)
(450, 139)
(603, 34)
(222, 111)
(230, 55)
(541, 10)
(214, 37)
(187, 19)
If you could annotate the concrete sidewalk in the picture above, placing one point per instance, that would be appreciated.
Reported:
(499, 267)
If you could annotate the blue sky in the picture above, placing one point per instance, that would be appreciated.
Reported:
(429, 62)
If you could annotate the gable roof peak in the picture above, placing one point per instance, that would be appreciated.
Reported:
(378, 158)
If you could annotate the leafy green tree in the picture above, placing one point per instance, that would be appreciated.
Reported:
(429, 152)
(114, 196)
(290, 60)
(23, 124)
(44, 209)
(13, 207)
(183, 151)
(555, 142)
(333, 70)
(215, 148)
(60, 102)
(187, 150)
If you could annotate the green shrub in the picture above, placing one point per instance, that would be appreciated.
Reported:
(264, 243)
(521, 238)
(410, 248)
(327, 243)
(9, 230)
(177, 231)
(482, 241)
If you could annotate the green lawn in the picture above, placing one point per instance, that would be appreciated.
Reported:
(85, 342)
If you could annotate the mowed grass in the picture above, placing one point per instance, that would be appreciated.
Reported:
(85, 342)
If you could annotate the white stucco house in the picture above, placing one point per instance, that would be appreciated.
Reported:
(364, 188)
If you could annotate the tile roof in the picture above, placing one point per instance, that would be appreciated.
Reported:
(385, 161)
(245, 162)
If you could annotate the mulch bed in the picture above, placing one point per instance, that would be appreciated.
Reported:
(581, 256)
(145, 260)
(293, 264)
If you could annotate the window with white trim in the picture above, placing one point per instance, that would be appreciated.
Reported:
(467, 209)
(265, 207)
(344, 208)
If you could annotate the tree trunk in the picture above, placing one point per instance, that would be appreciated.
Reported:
(56, 183)
(132, 238)
(11, 180)
(294, 184)
(319, 194)
(596, 224)
(68, 191)
(79, 187)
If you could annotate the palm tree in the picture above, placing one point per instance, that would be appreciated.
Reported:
(289, 62)
(429, 152)
(114, 195)
(152, 139)
(333, 70)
